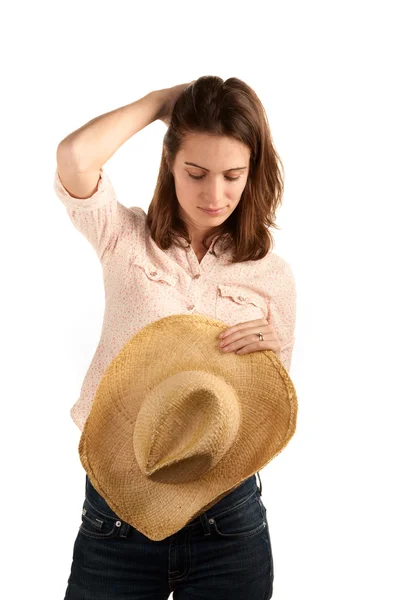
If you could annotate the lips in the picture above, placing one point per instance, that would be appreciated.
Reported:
(213, 211)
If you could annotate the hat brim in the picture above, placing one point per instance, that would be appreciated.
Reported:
(176, 343)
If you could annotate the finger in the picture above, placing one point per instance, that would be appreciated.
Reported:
(236, 332)
(240, 326)
(233, 337)
(257, 347)
(244, 341)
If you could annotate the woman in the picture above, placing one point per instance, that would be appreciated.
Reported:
(204, 246)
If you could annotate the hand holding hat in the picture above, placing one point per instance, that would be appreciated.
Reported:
(250, 336)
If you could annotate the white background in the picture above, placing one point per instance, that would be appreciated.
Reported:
(327, 74)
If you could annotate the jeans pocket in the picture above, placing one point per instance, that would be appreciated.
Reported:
(241, 521)
(98, 525)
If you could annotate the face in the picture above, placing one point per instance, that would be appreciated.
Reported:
(215, 180)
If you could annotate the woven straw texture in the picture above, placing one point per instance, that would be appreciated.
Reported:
(159, 468)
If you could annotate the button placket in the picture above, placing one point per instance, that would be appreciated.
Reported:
(195, 290)
(196, 272)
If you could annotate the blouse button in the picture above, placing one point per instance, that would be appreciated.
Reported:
(196, 276)
(241, 298)
(191, 307)
(153, 273)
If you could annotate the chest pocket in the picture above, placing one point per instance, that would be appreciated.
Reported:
(153, 273)
(237, 304)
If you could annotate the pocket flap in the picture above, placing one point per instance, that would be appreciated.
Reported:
(241, 295)
(154, 273)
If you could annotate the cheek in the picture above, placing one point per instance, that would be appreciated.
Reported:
(184, 193)
(235, 196)
(237, 192)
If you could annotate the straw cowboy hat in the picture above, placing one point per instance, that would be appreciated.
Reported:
(176, 425)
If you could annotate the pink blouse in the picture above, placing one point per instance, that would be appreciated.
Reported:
(144, 283)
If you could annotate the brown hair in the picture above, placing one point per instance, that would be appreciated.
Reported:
(231, 108)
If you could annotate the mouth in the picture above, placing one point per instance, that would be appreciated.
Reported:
(209, 211)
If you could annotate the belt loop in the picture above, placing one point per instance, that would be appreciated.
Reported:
(123, 532)
(259, 478)
(205, 523)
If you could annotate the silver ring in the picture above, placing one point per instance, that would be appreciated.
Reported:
(260, 335)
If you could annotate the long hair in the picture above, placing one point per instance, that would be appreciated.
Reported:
(231, 108)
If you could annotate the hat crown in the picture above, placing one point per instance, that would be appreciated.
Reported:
(185, 425)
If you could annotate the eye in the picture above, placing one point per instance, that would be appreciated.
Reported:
(226, 177)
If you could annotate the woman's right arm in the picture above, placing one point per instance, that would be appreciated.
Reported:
(83, 152)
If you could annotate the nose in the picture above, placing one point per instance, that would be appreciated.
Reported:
(213, 191)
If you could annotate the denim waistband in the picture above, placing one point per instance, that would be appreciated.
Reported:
(245, 489)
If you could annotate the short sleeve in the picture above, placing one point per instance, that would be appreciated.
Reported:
(282, 310)
(101, 219)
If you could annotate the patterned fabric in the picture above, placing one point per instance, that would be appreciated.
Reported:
(144, 283)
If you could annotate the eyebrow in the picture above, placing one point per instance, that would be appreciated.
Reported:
(227, 170)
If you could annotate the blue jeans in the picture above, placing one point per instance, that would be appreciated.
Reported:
(225, 553)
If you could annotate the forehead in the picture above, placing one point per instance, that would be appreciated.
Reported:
(216, 153)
